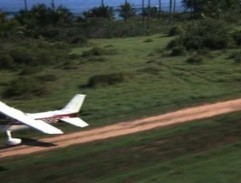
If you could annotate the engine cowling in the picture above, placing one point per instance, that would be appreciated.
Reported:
(13, 141)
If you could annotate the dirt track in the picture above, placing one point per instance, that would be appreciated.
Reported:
(124, 128)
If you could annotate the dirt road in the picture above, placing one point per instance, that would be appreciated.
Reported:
(124, 128)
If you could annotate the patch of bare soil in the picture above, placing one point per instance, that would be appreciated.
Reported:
(125, 128)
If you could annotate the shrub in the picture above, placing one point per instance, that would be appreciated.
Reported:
(215, 42)
(208, 33)
(195, 59)
(29, 71)
(148, 40)
(24, 87)
(46, 78)
(193, 42)
(175, 43)
(176, 30)
(23, 56)
(51, 33)
(236, 56)
(102, 11)
(44, 57)
(105, 79)
(178, 51)
(203, 51)
(78, 40)
(97, 51)
(237, 37)
(6, 61)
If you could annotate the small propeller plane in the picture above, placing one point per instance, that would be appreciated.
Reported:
(12, 119)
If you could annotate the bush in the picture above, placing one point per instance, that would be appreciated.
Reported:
(6, 61)
(236, 56)
(175, 43)
(193, 42)
(46, 78)
(29, 71)
(102, 11)
(176, 30)
(178, 51)
(24, 87)
(23, 56)
(237, 37)
(105, 79)
(215, 42)
(209, 33)
(195, 59)
(97, 51)
(203, 51)
(78, 40)
(148, 40)
(50, 34)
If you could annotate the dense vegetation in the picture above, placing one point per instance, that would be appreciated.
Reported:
(42, 46)
(46, 56)
(44, 36)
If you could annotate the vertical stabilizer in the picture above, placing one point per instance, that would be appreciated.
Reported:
(75, 104)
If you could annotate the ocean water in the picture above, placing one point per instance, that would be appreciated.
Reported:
(79, 6)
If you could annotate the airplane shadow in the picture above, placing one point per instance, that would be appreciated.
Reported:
(29, 142)
(35, 142)
(3, 169)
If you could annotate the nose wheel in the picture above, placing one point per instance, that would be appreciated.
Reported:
(12, 141)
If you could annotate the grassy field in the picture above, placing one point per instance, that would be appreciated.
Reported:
(200, 151)
(154, 83)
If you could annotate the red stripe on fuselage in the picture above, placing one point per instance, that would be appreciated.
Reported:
(55, 119)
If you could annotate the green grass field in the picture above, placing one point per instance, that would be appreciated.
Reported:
(202, 151)
(154, 83)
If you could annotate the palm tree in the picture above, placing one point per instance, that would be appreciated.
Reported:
(102, 3)
(174, 6)
(170, 11)
(143, 9)
(25, 5)
(149, 7)
(53, 4)
(160, 6)
(127, 10)
(148, 13)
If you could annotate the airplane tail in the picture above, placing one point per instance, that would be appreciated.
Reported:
(75, 104)
(73, 107)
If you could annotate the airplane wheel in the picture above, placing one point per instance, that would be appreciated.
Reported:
(14, 141)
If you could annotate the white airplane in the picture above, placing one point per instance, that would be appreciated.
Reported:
(12, 119)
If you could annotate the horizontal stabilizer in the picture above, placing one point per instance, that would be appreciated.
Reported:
(75, 121)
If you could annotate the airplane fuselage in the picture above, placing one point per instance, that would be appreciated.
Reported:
(51, 117)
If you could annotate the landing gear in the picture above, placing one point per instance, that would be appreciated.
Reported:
(12, 141)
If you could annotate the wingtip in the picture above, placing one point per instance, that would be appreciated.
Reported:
(55, 132)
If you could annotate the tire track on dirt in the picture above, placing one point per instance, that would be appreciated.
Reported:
(129, 127)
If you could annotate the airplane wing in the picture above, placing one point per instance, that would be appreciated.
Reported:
(23, 118)
(75, 121)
